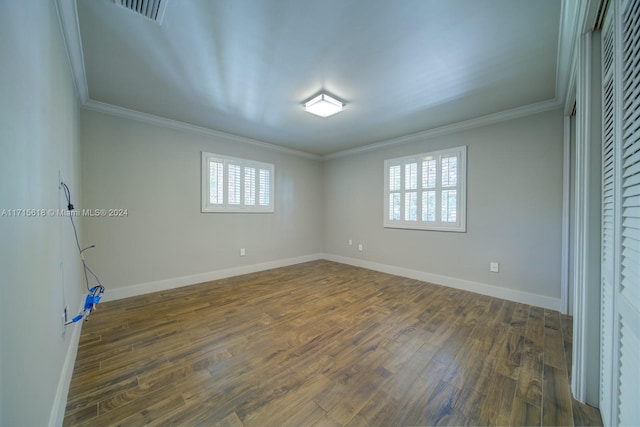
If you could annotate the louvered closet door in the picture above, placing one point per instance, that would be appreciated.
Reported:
(627, 298)
(608, 218)
(620, 290)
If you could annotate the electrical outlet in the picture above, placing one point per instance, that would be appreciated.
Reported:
(242, 252)
(350, 242)
(360, 247)
(494, 267)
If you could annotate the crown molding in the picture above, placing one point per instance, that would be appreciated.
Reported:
(513, 113)
(70, 26)
(126, 113)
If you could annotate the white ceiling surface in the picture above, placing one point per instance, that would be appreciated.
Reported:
(246, 66)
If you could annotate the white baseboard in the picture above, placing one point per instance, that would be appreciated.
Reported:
(452, 282)
(177, 282)
(62, 391)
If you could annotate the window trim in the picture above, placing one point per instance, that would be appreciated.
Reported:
(461, 184)
(240, 207)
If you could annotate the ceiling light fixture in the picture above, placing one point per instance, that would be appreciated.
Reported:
(323, 105)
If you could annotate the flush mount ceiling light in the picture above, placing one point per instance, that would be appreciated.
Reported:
(323, 105)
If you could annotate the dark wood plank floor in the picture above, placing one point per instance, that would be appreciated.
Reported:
(323, 344)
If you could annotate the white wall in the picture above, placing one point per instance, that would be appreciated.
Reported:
(514, 207)
(165, 241)
(39, 266)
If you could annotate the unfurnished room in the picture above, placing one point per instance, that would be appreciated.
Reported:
(319, 212)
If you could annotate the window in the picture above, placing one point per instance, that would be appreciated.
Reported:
(426, 191)
(230, 184)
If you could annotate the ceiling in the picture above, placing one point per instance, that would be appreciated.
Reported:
(245, 67)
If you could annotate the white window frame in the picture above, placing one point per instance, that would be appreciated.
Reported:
(420, 188)
(250, 198)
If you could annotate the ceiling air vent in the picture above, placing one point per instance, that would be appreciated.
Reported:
(151, 9)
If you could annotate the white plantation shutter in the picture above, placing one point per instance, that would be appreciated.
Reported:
(265, 187)
(426, 191)
(249, 186)
(216, 180)
(429, 170)
(411, 191)
(230, 184)
(393, 188)
(449, 188)
(233, 179)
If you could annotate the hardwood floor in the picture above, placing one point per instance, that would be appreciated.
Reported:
(323, 344)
